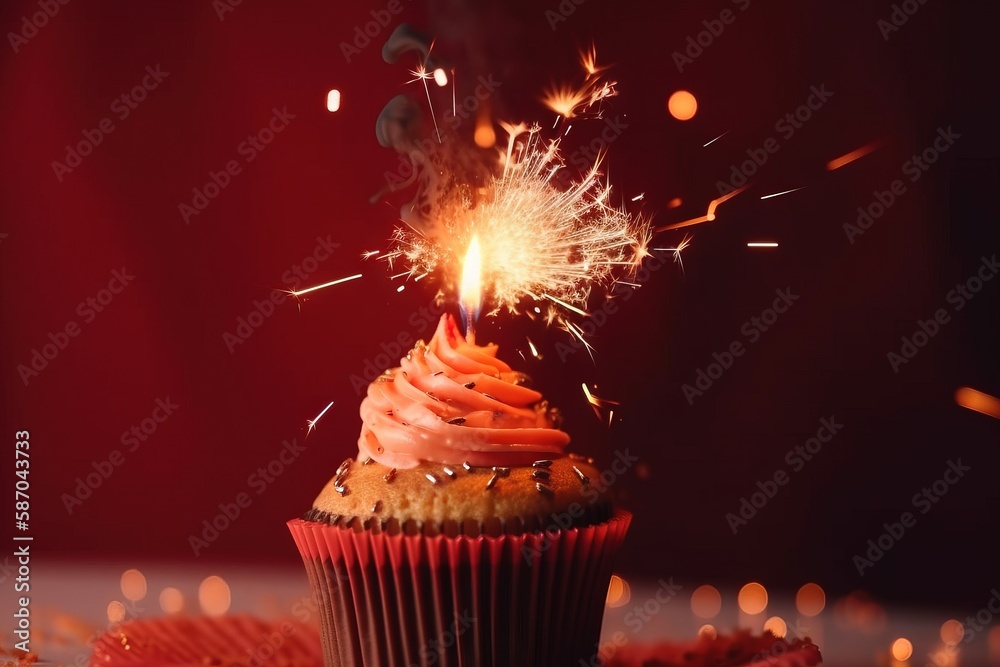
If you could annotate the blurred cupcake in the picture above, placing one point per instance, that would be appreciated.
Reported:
(462, 534)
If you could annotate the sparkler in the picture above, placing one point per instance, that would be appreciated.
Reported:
(329, 284)
(312, 422)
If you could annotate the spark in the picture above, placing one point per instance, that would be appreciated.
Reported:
(709, 214)
(685, 242)
(400, 288)
(596, 402)
(423, 75)
(716, 139)
(329, 284)
(762, 245)
(440, 77)
(312, 422)
(848, 158)
(534, 350)
(539, 237)
(576, 332)
(571, 102)
(368, 254)
(980, 402)
(778, 194)
(333, 101)
(639, 197)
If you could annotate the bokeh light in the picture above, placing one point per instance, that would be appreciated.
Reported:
(619, 592)
(902, 649)
(810, 600)
(171, 600)
(708, 631)
(116, 611)
(706, 602)
(214, 596)
(777, 626)
(133, 584)
(972, 399)
(675, 202)
(682, 105)
(485, 136)
(333, 100)
(752, 599)
(952, 632)
(440, 77)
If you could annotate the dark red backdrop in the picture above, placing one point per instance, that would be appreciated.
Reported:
(162, 336)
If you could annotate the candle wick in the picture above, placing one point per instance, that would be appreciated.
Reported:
(470, 329)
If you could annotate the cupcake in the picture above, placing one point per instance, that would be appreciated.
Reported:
(463, 534)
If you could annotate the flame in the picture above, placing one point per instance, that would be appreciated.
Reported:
(472, 281)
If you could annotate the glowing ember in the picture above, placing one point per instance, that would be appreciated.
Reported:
(902, 649)
(619, 592)
(682, 105)
(776, 626)
(810, 600)
(133, 585)
(706, 602)
(116, 611)
(844, 160)
(978, 401)
(214, 596)
(333, 101)
(752, 599)
(709, 214)
(171, 600)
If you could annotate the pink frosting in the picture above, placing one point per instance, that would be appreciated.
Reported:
(414, 413)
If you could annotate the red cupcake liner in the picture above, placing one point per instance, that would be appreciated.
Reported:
(417, 601)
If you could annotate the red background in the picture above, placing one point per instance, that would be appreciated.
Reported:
(163, 335)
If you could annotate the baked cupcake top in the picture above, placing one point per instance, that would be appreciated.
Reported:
(453, 438)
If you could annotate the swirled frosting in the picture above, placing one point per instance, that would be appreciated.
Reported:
(453, 402)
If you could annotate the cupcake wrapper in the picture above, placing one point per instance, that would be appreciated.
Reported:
(416, 601)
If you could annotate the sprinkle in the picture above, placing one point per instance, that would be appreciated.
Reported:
(457, 421)
(583, 478)
(405, 423)
(503, 472)
(389, 476)
(490, 397)
(340, 488)
(405, 375)
(368, 461)
(388, 413)
(492, 482)
(451, 473)
(431, 394)
(544, 490)
(432, 478)
(469, 385)
(544, 463)
(344, 467)
(540, 474)
(377, 507)
(383, 378)
(468, 466)
(436, 374)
